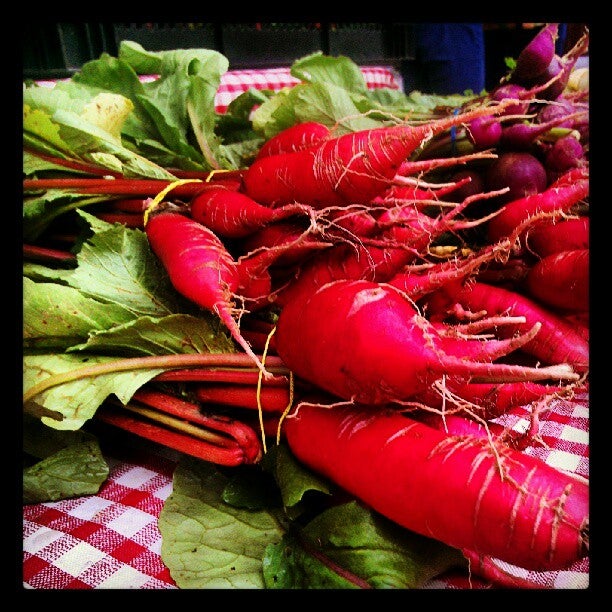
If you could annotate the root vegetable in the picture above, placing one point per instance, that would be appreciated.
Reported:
(458, 490)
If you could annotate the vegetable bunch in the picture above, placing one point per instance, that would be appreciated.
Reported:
(362, 295)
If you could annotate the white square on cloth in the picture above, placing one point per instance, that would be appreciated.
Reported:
(79, 558)
(130, 522)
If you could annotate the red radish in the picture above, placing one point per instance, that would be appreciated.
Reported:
(352, 168)
(417, 283)
(423, 166)
(537, 55)
(199, 267)
(520, 95)
(355, 221)
(232, 214)
(490, 400)
(281, 234)
(561, 280)
(365, 342)
(519, 171)
(564, 153)
(556, 342)
(561, 195)
(523, 135)
(402, 194)
(484, 132)
(406, 233)
(551, 237)
(295, 138)
(463, 492)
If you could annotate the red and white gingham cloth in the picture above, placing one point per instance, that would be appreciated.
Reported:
(235, 82)
(111, 540)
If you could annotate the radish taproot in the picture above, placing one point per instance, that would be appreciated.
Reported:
(460, 490)
(365, 342)
(232, 214)
(199, 267)
(556, 342)
(561, 280)
(566, 234)
(560, 196)
(352, 168)
(535, 58)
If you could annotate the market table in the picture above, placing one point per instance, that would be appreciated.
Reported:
(111, 540)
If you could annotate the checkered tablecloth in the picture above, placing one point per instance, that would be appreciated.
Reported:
(111, 540)
(235, 82)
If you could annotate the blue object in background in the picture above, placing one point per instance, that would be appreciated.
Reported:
(449, 59)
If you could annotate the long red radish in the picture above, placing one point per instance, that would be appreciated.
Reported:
(365, 342)
(556, 342)
(561, 280)
(405, 234)
(352, 168)
(463, 491)
(295, 138)
(232, 214)
(560, 196)
(563, 235)
(537, 55)
(199, 267)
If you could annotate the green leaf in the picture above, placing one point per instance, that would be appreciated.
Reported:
(73, 471)
(58, 316)
(207, 543)
(173, 334)
(117, 266)
(286, 565)
(360, 546)
(73, 403)
(338, 71)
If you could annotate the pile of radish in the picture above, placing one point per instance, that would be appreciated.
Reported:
(391, 276)
(418, 281)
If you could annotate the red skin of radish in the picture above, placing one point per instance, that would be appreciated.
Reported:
(365, 342)
(279, 236)
(561, 280)
(556, 342)
(491, 400)
(352, 168)
(484, 132)
(559, 196)
(407, 227)
(447, 487)
(520, 171)
(232, 214)
(537, 55)
(295, 138)
(565, 153)
(199, 267)
(551, 237)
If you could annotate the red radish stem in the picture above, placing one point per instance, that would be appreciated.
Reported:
(33, 252)
(365, 342)
(270, 399)
(232, 214)
(200, 268)
(132, 220)
(505, 503)
(556, 342)
(117, 186)
(561, 280)
(560, 196)
(213, 375)
(295, 138)
(352, 168)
